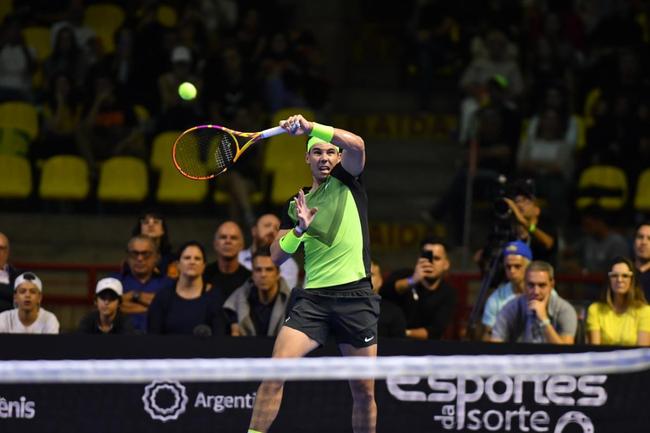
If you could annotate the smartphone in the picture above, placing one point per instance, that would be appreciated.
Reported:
(427, 255)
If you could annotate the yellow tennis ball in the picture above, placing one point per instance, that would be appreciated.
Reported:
(187, 91)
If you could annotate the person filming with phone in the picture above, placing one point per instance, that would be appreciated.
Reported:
(427, 299)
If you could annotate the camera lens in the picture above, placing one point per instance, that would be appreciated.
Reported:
(501, 208)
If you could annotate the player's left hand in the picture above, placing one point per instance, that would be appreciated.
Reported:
(305, 214)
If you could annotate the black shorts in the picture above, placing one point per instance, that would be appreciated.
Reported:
(350, 315)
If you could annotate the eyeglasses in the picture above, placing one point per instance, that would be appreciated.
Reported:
(616, 275)
(134, 254)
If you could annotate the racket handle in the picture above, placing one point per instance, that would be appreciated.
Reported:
(273, 131)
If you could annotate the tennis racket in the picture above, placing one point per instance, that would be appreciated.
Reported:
(206, 151)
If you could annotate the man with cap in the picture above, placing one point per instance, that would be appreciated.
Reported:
(516, 258)
(539, 315)
(28, 317)
(107, 318)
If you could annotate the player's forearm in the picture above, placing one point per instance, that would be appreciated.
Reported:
(278, 255)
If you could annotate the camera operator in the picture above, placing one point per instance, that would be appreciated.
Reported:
(531, 225)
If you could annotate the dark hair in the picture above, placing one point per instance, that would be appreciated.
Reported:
(641, 224)
(263, 252)
(188, 244)
(433, 240)
(165, 246)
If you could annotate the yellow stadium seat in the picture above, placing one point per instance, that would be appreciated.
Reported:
(284, 159)
(602, 185)
(173, 187)
(15, 177)
(161, 150)
(38, 38)
(167, 16)
(64, 177)
(6, 6)
(642, 196)
(21, 116)
(104, 19)
(123, 179)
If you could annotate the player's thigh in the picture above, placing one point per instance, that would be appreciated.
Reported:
(362, 389)
(291, 343)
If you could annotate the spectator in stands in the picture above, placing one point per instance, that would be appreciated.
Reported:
(427, 300)
(16, 62)
(281, 74)
(141, 280)
(533, 226)
(494, 139)
(392, 322)
(74, 18)
(599, 243)
(188, 307)
(622, 317)
(226, 273)
(153, 224)
(62, 112)
(475, 79)
(28, 317)
(516, 258)
(538, 316)
(7, 275)
(233, 98)
(176, 112)
(263, 233)
(107, 318)
(109, 127)
(67, 58)
(258, 307)
(642, 255)
(547, 152)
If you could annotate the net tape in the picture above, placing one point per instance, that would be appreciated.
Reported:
(318, 368)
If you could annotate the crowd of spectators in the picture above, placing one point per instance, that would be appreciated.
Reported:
(547, 89)
(224, 298)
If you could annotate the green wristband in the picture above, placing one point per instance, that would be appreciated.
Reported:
(532, 228)
(324, 132)
(289, 243)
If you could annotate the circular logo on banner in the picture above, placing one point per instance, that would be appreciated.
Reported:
(574, 417)
(165, 400)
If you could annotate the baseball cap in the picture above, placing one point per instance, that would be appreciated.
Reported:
(517, 248)
(29, 277)
(181, 54)
(109, 284)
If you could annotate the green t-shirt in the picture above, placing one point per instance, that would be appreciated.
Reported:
(336, 245)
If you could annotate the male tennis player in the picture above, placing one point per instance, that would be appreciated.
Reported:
(330, 222)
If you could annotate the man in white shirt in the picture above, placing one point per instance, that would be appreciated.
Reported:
(264, 232)
(28, 317)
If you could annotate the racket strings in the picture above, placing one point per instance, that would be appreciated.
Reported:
(204, 152)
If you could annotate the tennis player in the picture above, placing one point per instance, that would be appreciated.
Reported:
(330, 222)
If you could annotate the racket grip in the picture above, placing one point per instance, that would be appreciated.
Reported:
(273, 131)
